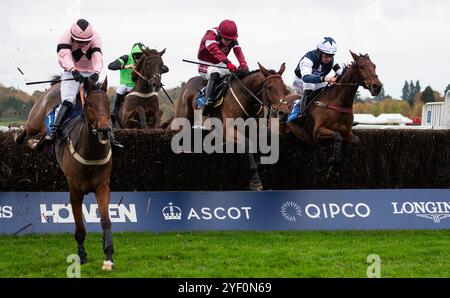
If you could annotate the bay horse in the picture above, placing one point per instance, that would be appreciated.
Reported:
(84, 156)
(245, 98)
(36, 118)
(141, 106)
(330, 115)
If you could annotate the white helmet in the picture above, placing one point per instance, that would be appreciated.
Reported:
(328, 46)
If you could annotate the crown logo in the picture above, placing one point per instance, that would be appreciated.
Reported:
(171, 212)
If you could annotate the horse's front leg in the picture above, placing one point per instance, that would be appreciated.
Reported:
(351, 139)
(142, 117)
(76, 200)
(234, 136)
(336, 160)
(103, 197)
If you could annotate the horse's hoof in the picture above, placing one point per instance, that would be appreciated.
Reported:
(108, 266)
(256, 186)
(83, 257)
(355, 140)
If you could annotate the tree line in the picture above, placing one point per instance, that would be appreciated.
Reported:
(16, 104)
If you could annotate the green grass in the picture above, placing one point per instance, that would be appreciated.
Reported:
(234, 254)
(6, 122)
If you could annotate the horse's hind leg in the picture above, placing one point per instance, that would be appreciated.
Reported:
(103, 197)
(76, 200)
(337, 159)
(19, 138)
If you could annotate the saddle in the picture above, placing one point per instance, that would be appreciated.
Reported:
(219, 91)
(74, 115)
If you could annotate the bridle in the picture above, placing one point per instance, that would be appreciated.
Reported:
(148, 79)
(267, 104)
(360, 82)
(84, 101)
(92, 129)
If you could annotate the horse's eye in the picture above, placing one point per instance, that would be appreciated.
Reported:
(361, 66)
(269, 89)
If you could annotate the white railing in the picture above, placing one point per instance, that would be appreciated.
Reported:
(437, 114)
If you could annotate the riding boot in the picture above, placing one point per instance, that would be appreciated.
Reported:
(115, 113)
(113, 141)
(214, 77)
(305, 101)
(56, 127)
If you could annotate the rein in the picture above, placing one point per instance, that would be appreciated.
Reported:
(262, 104)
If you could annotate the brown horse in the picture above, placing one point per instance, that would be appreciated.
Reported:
(36, 118)
(141, 107)
(84, 157)
(245, 98)
(330, 116)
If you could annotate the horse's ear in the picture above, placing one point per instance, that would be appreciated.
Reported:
(104, 86)
(162, 52)
(355, 57)
(282, 69)
(264, 71)
(87, 84)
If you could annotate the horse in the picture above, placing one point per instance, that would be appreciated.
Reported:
(239, 101)
(84, 156)
(329, 118)
(141, 106)
(36, 118)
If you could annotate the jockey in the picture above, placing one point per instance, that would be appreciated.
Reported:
(125, 64)
(80, 55)
(311, 74)
(215, 46)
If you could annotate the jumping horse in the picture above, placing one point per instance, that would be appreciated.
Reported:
(329, 118)
(246, 97)
(141, 106)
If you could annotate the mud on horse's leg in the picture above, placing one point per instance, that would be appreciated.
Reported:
(76, 201)
(103, 198)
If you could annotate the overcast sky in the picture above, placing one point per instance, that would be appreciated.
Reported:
(406, 39)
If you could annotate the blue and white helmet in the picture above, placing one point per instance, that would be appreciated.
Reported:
(327, 45)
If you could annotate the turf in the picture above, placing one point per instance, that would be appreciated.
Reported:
(234, 254)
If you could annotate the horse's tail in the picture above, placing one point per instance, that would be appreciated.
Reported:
(166, 124)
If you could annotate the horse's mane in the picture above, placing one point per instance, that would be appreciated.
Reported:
(55, 78)
(346, 67)
(149, 52)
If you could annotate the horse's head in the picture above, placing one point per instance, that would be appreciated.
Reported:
(273, 88)
(365, 73)
(96, 109)
(149, 68)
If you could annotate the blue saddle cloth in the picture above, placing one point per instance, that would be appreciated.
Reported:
(71, 114)
(295, 110)
(201, 98)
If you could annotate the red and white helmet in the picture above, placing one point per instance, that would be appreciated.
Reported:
(228, 29)
(81, 30)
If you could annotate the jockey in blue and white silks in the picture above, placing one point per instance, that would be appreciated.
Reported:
(311, 74)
